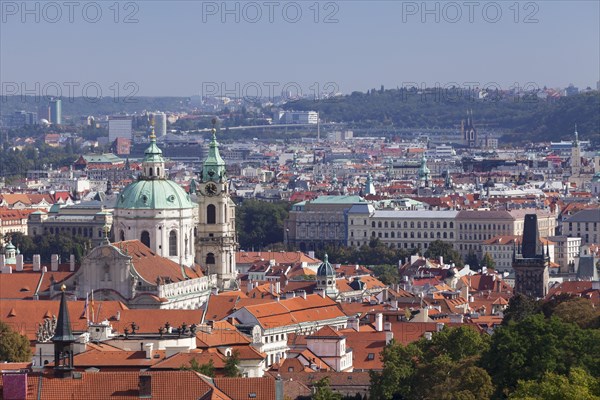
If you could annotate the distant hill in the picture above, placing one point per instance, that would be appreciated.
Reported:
(527, 118)
(79, 106)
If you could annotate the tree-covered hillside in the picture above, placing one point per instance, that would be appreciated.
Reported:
(527, 118)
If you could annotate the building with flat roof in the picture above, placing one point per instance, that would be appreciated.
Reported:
(119, 126)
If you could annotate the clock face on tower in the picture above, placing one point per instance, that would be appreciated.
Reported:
(211, 189)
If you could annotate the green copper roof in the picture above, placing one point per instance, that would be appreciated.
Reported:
(153, 154)
(325, 269)
(338, 200)
(214, 166)
(154, 194)
(424, 170)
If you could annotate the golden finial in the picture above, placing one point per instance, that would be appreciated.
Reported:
(152, 134)
(214, 128)
(63, 288)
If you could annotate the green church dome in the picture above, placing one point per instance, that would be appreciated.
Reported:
(154, 194)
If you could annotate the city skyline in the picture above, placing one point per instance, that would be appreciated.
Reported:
(198, 48)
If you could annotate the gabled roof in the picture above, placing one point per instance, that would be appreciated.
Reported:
(119, 385)
(151, 267)
(247, 388)
(294, 311)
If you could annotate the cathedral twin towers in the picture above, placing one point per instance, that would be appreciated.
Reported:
(184, 227)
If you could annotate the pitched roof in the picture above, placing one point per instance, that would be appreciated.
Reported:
(119, 385)
(247, 388)
(152, 267)
(295, 310)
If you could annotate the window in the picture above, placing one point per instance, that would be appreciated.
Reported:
(211, 214)
(371, 356)
(373, 224)
(172, 243)
(419, 225)
(121, 235)
(145, 238)
(445, 225)
(210, 258)
(425, 224)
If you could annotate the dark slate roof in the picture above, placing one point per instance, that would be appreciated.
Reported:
(63, 331)
(590, 215)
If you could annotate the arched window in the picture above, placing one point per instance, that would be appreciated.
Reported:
(211, 214)
(172, 243)
(121, 235)
(186, 245)
(145, 238)
(425, 224)
(210, 259)
(157, 171)
(445, 225)
(373, 224)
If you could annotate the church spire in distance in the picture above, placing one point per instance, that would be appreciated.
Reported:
(214, 166)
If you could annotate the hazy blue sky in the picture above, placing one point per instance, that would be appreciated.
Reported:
(185, 48)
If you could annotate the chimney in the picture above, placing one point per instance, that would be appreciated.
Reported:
(44, 269)
(389, 335)
(145, 386)
(19, 262)
(302, 293)
(149, 347)
(356, 267)
(36, 262)
(214, 291)
(72, 263)
(456, 318)
(379, 322)
(54, 262)
(441, 260)
(277, 287)
(439, 326)
(387, 326)
(249, 286)
(354, 323)
(428, 335)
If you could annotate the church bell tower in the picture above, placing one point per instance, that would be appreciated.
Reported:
(216, 237)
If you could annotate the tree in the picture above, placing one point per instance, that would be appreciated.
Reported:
(472, 260)
(439, 248)
(578, 385)
(395, 381)
(231, 368)
(580, 311)
(207, 369)
(520, 307)
(323, 390)
(14, 347)
(260, 223)
(533, 346)
(487, 261)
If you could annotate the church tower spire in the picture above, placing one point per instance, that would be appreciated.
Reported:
(217, 240)
(63, 340)
(153, 164)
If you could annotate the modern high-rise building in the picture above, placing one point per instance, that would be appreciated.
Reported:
(55, 113)
(160, 123)
(119, 126)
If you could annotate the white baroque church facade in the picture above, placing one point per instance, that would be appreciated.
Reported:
(169, 251)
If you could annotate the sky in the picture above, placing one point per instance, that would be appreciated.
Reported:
(237, 49)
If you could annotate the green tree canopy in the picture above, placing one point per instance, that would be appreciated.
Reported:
(439, 248)
(14, 347)
(231, 368)
(578, 385)
(259, 224)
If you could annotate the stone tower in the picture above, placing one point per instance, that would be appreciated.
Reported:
(529, 263)
(216, 237)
